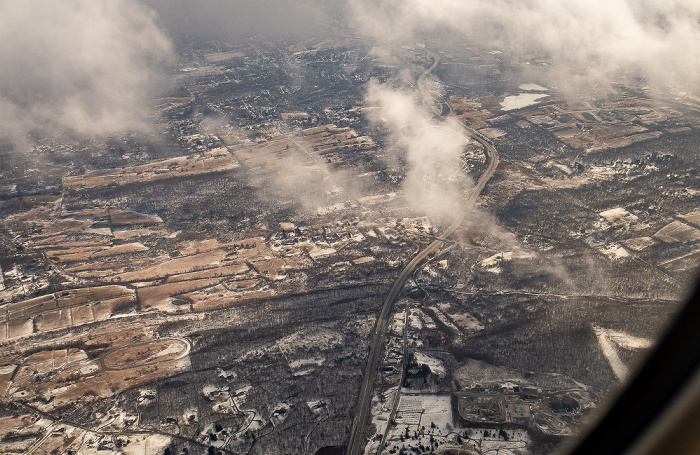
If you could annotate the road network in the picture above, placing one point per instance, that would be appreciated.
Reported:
(364, 401)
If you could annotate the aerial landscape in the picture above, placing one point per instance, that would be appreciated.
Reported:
(338, 227)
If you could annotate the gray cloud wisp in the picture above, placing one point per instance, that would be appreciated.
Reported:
(590, 39)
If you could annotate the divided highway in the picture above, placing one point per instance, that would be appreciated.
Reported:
(362, 409)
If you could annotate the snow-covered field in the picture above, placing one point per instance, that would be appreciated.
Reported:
(639, 243)
(420, 418)
(618, 215)
(436, 366)
(677, 231)
(443, 319)
(425, 422)
(417, 320)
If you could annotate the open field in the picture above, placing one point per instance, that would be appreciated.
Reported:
(64, 309)
(677, 231)
(217, 160)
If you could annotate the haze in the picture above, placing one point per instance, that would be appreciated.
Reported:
(89, 66)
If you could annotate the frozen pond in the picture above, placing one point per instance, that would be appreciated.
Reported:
(522, 100)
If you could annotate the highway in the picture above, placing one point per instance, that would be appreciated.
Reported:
(362, 410)
(364, 400)
(425, 94)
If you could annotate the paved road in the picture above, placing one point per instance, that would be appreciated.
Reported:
(62, 421)
(362, 410)
(425, 93)
(397, 395)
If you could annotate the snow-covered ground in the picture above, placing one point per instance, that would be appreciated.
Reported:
(177, 347)
(532, 87)
(317, 406)
(415, 322)
(425, 421)
(301, 367)
(639, 243)
(522, 100)
(318, 338)
(152, 444)
(627, 341)
(421, 417)
(381, 412)
(492, 263)
(618, 215)
(443, 319)
(436, 366)
(615, 251)
(610, 340)
(418, 320)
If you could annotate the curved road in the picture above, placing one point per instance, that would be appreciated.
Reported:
(425, 94)
(362, 409)
(105, 367)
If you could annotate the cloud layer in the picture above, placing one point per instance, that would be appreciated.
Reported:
(588, 38)
(189, 21)
(435, 184)
(86, 66)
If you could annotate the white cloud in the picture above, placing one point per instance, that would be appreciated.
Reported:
(78, 65)
(590, 38)
(435, 184)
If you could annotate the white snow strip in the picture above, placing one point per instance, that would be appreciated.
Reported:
(318, 361)
(628, 341)
(619, 368)
(532, 87)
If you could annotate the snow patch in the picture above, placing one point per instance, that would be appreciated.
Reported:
(415, 322)
(318, 361)
(615, 252)
(317, 406)
(520, 101)
(175, 348)
(226, 374)
(436, 366)
(281, 412)
(153, 444)
(425, 320)
(7, 370)
(618, 367)
(627, 341)
(504, 256)
(320, 339)
(618, 215)
(210, 390)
